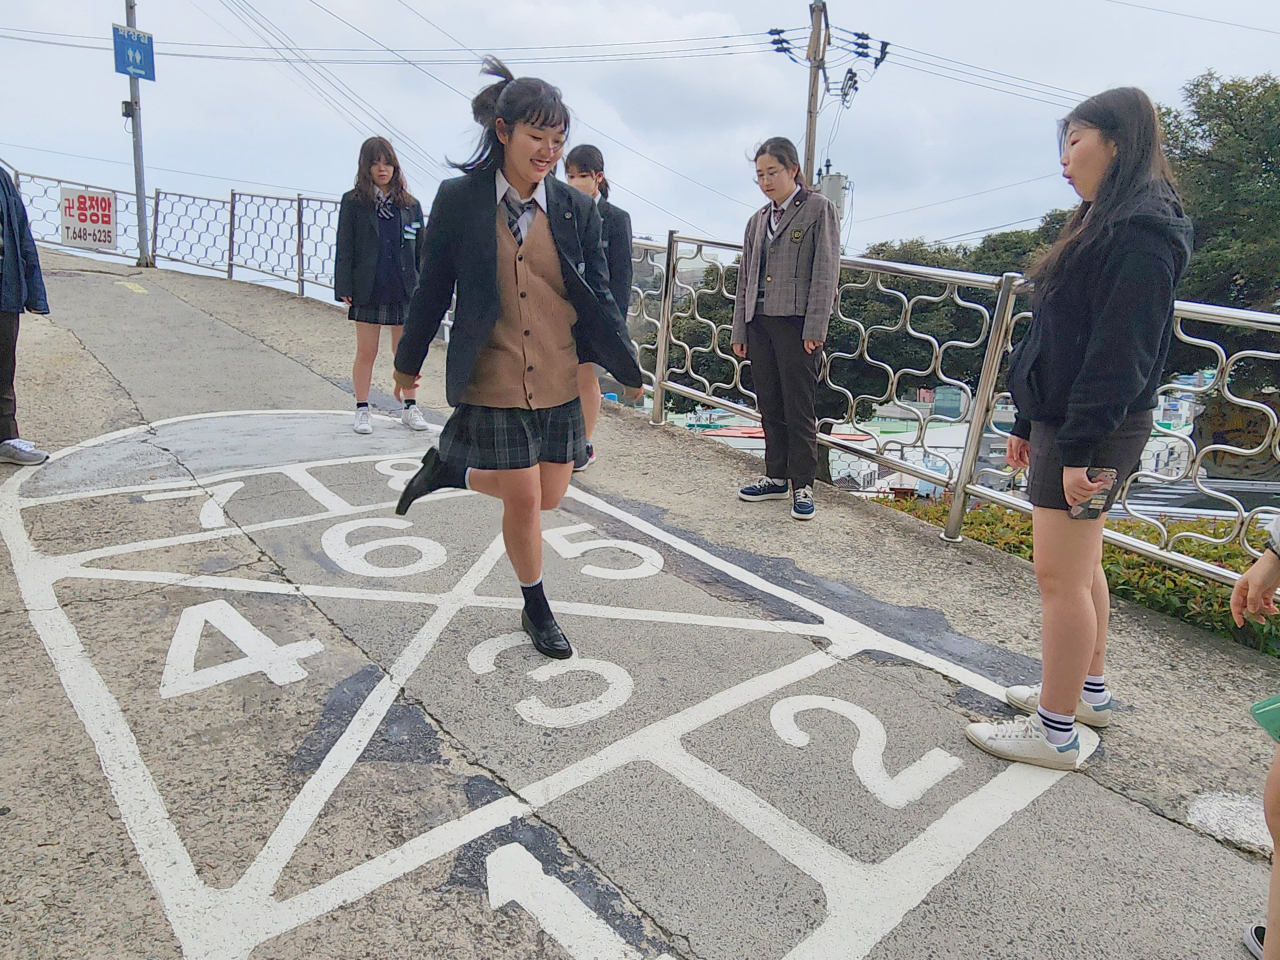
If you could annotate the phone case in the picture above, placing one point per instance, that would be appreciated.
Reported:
(1267, 713)
(1091, 509)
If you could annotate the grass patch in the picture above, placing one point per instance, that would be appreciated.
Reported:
(1191, 599)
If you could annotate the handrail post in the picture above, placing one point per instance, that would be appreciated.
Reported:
(983, 401)
(231, 236)
(659, 415)
(301, 281)
(155, 225)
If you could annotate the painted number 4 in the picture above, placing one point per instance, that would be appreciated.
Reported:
(261, 654)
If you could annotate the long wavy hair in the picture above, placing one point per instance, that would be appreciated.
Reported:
(524, 100)
(1140, 171)
(379, 150)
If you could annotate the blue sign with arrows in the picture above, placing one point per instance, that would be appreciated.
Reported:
(135, 53)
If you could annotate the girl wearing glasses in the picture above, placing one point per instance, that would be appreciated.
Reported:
(787, 283)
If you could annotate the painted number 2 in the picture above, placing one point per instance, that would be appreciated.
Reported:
(868, 757)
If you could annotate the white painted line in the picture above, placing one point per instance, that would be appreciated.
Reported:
(1233, 817)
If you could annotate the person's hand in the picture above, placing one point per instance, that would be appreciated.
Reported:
(1253, 596)
(740, 351)
(1077, 487)
(632, 393)
(404, 381)
(1018, 453)
(811, 345)
(347, 301)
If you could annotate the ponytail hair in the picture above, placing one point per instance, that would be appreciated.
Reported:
(524, 100)
(586, 158)
(785, 152)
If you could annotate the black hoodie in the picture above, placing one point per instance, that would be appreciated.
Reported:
(1097, 345)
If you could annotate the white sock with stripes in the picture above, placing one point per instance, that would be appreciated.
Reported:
(1095, 690)
(1058, 728)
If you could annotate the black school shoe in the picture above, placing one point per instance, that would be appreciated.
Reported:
(549, 641)
(1254, 934)
(426, 480)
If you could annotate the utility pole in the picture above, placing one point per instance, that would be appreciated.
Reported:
(133, 110)
(817, 57)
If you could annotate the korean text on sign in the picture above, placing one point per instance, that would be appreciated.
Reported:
(88, 218)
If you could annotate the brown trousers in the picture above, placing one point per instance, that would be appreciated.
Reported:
(8, 363)
(786, 382)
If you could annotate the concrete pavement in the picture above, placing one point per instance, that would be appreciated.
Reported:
(249, 712)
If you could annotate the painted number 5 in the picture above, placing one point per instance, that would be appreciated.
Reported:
(868, 757)
(650, 559)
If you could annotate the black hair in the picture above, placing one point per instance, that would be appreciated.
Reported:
(785, 152)
(1125, 117)
(526, 100)
(587, 159)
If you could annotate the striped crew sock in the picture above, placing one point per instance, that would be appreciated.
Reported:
(1095, 690)
(1058, 728)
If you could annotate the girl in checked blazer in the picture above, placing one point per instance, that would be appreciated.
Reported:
(787, 283)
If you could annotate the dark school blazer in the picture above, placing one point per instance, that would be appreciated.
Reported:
(462, 252)
(356, 254)
(617, 252)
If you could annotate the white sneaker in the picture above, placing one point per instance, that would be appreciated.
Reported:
(364, 420)
(22, 452)
(412, 418)
(1023, 741)
(1027, 699)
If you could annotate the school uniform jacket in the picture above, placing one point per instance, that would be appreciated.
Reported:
(461, 252)
(616, 234)
(356, 254)
(802, 272)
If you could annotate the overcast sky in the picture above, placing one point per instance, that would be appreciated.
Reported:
(910, 138)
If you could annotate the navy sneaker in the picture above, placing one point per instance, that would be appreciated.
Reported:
(765, 489)
(581, 465)
(802, 503)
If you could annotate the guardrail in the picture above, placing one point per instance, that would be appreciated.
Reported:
(886, 338)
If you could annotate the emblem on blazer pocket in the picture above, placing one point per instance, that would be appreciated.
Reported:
(796, 235)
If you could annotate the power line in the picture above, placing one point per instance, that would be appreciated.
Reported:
(938, 203)
(189, 173)
(984, 231)
(1192, 16)
(1013, 93)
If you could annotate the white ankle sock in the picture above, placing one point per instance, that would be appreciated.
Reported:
(466, 478)
(1058, 728)
(1095, 690)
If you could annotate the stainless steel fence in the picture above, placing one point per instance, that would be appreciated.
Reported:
(903, 328)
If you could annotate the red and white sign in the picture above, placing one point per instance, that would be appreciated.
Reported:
(88, 218)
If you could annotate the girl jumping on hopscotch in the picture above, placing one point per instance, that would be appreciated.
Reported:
(523, 252)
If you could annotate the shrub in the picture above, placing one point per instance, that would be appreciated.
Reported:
(1158, 586)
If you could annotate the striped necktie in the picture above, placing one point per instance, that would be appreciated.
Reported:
(520, 214)
(775, 217)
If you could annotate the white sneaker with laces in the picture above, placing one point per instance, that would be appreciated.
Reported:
(1027, 699)
(364, 420)
(22, 452)
(1023, 741)
(412, 418)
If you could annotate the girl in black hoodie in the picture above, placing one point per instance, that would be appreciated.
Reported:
(1084, 379)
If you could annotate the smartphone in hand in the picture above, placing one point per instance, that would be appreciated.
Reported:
(1091, 509)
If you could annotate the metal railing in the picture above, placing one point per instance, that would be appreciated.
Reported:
(900, 327)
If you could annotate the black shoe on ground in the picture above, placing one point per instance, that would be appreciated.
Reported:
(549, 641)
(423, 482)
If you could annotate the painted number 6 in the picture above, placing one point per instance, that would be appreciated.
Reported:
(351, 557)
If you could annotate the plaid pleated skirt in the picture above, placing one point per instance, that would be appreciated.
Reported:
(499, 438)
(383, 314)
